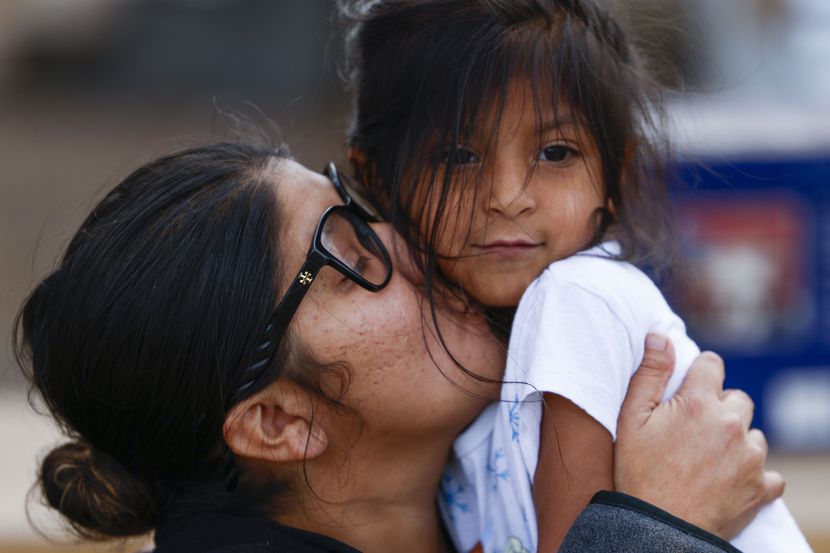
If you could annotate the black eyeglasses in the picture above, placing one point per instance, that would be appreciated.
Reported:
(350, 195)
(343, 240)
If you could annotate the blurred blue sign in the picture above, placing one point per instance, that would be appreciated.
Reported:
(756, 235)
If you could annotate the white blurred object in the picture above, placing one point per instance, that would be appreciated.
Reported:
(797, 407)
(780, 54)
(729, 127)
(768, 90)
(741, 279)
(808, 48)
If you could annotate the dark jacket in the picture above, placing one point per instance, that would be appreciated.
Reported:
(613, 522)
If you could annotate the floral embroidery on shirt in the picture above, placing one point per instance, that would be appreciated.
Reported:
(513, 418)
(452, 493)
(497, 473)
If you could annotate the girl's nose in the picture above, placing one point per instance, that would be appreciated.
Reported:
(510, 191)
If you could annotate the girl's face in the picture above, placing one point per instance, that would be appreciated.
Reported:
(396, 363)
(534, 203)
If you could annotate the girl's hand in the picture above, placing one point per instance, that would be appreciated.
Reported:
(695, 455)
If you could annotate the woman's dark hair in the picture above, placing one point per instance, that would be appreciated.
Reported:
(138, 340)
(426, 72)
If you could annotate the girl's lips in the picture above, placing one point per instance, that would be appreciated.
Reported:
(508, 247)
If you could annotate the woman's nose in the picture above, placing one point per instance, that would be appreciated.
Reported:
(403, 262)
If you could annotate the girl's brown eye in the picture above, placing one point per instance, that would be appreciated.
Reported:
(459, 156)
(557, 153)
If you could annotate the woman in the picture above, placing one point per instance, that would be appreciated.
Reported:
(198, 409)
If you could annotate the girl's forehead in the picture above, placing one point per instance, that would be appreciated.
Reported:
(522, 107)
(522, 111)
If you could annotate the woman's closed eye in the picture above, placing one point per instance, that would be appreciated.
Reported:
(558, 153)
(357, 263)
(361, 264)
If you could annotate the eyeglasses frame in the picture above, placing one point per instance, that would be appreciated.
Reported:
(333, 175)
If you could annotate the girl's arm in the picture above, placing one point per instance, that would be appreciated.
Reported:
(575, 462)
(699, 454)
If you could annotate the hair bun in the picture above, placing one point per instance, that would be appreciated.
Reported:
(98, 496)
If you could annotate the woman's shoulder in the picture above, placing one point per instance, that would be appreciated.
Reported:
(231, 533)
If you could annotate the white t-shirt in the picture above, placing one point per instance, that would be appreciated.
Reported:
(579, 332)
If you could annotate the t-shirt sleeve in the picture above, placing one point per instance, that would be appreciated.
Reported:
(569, 341)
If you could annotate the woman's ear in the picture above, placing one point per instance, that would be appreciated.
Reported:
(276, 425)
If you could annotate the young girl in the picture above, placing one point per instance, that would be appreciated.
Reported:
(515, 145)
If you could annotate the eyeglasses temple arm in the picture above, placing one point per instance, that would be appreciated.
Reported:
(277, 325)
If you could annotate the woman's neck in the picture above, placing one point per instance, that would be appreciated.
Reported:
(374, 527)
(375, 501)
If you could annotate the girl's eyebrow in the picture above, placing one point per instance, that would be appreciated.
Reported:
(552, 124)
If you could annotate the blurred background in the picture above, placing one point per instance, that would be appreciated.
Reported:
(91, 88)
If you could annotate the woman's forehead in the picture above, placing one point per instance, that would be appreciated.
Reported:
(302, 193)
(303, 196)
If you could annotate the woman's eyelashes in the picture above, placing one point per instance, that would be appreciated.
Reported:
(362, 264)
(357, 263)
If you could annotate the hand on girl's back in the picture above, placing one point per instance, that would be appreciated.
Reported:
(683, 454)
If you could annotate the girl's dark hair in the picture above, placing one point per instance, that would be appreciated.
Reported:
(426, 72)
(138, 340)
